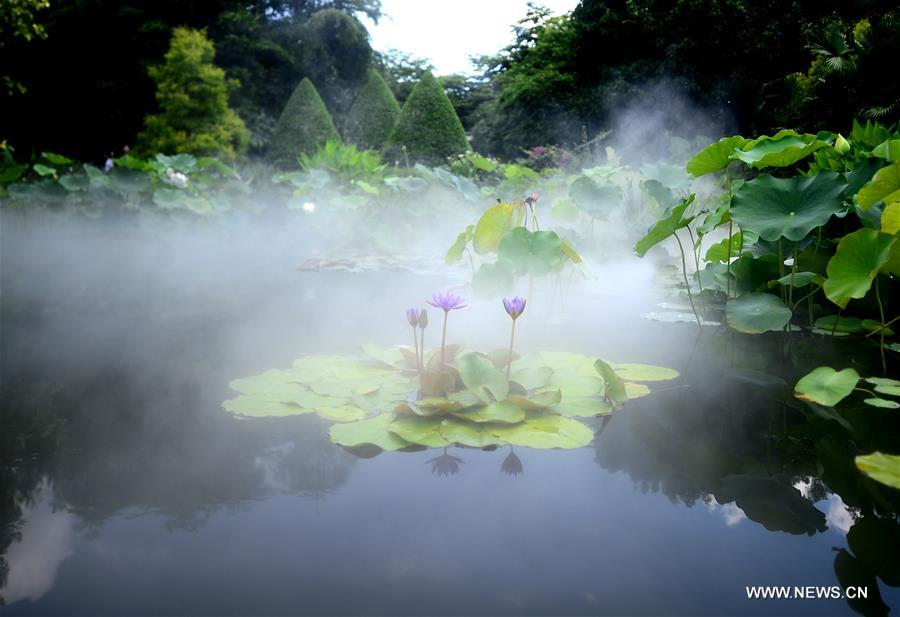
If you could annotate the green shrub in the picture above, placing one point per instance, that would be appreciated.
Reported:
(428, 126)
(345, 161)
(373, 114)
(304, 126)
(192, 94)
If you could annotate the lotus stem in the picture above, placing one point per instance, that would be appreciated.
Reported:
(422, 351)
(416, 346)
(728, 262)
(883, 326)
(509, 360)
(687, 284)
(444, 338)
(836, 320)
(696, 258)
(781, 266)
(881, 313)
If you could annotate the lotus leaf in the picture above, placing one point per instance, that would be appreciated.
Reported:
(575, 385)
(739, 242)
(672, 176)
(539, 399)
(780, 150)
(888, 150)
(254, 406)
(596, 200)
(371, 431)
(849, 325)
(882, 402)
(884, 468)
(614, 389)
(564, 210)
(536, 253)
(889, 390)
(715, 157)
(662, 194)
(860, 256)
(644, 372)
(799, 279)
(342, 413)
(826, 386)
(455, 252)
(482, 377)
(755, 313)
(890, 218)
(420, 431)
(583, 407)
(884, 185)
(882, 381)
(545, 431)
(787, 207)
(635, 390)
(494, 224)
(665, 228)
(467, 434)
(501, 411)
(533, 377)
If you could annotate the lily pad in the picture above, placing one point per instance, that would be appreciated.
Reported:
(882, 381)
(533, 377)
(467, 434)
(545, 431)
(482, 377)
(755, 313)
(421, 431)
(501, 411)
(847, 325)
(884, 185)
(253, 406)
(371, 431)
(826, 386)
(882, 402)
(636, 390)
(860, 256)
(644, 372)
(583, 407)
(573, 384)
(884, 468)
(715, 157)
(541, 398)
(788, 207)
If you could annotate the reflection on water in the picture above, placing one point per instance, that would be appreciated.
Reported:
(121, 476)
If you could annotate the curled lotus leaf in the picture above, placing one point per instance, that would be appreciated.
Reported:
(780, 150)
(501, 411)
(494, 224)
(542, 398)
(420, 431)
(715, 156)
(635, 390)
(614, 389)
(370, 431)
(545, 431)
(859, 258)
(465, 398)
(436, 405)
(433, 383)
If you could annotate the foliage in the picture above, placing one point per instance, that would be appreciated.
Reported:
(19, 19)
(428, 129)
(373, 114)
(192, 93)
(345, 163)
(303, 127)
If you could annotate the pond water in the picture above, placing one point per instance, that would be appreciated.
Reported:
(127, 489)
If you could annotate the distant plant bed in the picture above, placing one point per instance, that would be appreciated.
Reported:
(401, 397)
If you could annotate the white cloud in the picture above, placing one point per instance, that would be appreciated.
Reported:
(448, 33)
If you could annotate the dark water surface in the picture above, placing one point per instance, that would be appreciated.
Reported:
(126, 489)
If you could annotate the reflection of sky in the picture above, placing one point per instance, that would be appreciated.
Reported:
(566, 537)
(45, 542)
(837, 515)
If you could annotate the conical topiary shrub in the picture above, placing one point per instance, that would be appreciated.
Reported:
(303, 127)
(373, 114)
(428, 126)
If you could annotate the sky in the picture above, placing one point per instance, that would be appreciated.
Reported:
(447, 32)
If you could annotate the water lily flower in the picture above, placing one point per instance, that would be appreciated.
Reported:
(412, 316)
(445, 464)
(448, 302)
(423, 323)
(514, 307)
(511, 465)
(423, 319)
(309, 207)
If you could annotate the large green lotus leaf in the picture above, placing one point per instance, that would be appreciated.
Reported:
(672, 176)
(644, 372)
(468, 434)
(342, 413)
(890, 218)
(545, 430)
(493, 225)
(371, 431)
(421, 431)
(755, 313)
(859, 257)
(494, 279)
(740, 242)
(636, 390)
(799, 279)
(254, 406)
(542, 398)
(661, 193)
(787, 207)
(826, 386)
(501, 411)
(455, 252)
(884, 468)
(584, 407)
(614, 389)
(665, 228)
(576, 385)
(482, 377)
(596, 200)
(780, 150)
(532, 378)
(888, 150)
(882, 402)
(715, 156)
(536, 253)
(884, 185)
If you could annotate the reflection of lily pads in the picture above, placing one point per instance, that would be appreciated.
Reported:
(755, 313)
(826, 386)
(884, 468)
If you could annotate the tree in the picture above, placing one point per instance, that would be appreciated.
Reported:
(373, 114)
(18, 18)
(193, 99)
(402, 71)
(304, 126)
(428, 127)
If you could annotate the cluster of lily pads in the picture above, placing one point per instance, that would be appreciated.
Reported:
(398, 398)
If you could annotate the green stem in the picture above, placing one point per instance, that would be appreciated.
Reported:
(793, 272)
(687, 284)
(696, 258)
(416, 346)
(836, 320)
(883, 326)
(881, 313)
(728, 262)
(444, 338)
(422, 352)
(509, 360)
(867, 391)
(781, 265)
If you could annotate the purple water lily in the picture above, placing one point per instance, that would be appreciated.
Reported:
(514, 308)
(448, 302)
